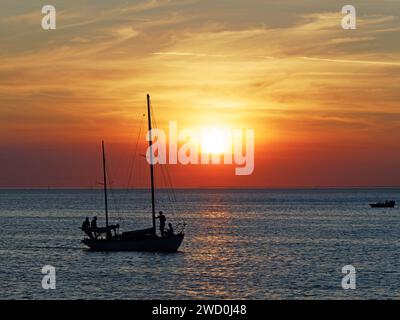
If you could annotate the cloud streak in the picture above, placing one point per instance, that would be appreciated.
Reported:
(367, 62)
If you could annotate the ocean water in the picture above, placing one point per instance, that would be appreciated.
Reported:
(239, 244)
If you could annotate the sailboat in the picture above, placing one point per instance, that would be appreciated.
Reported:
(103, 239)
(386, 204)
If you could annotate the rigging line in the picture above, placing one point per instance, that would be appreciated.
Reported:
(164, 169)
(133, 159)
(96, 188)
(112, 193)
(169, 194)
(130, 174)
(122, 154)
(171, 190)
(115, 202)
(168, 180)
(110, 189)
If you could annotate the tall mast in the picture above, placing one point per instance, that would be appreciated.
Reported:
(105, 182)
(153, 210)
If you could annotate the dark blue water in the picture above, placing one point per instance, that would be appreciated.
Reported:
(239, 244)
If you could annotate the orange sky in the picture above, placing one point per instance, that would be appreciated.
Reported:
(323, 101)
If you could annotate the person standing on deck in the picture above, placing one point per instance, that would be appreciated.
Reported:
(93, 226)
(86, 228)
(162, 222)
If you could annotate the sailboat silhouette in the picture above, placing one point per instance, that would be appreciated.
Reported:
(137, 240)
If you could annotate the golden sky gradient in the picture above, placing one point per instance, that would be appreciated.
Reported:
(323, 101)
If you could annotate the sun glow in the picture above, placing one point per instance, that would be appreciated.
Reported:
(216, 140)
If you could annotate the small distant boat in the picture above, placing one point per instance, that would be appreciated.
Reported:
(137, 240)
(386, 204)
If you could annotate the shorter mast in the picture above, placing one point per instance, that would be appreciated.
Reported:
(153, 210)
(105, 183)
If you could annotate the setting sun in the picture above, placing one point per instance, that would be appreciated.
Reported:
(216, 140)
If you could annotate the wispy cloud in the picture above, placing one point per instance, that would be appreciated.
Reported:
(190, 54)
(377, 63)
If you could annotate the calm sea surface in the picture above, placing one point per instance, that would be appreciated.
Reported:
(252, 244)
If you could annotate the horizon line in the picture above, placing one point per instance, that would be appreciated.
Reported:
(205, 188)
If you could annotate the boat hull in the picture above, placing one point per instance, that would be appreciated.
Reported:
(386, 204)
(373, 205)
(162, 244)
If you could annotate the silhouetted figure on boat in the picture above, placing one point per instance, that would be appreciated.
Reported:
(162, 222)
(93, 226)
(86, 228)
(86, 224)
(170, 231)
